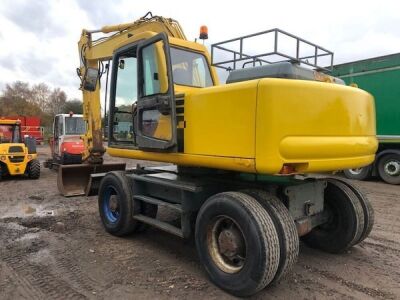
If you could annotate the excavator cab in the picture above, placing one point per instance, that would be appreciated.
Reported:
(142, 112)
(142, 106)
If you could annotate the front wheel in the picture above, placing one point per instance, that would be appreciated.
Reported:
(389, 168)
(115, 204)
(34, 169)
(237, 243)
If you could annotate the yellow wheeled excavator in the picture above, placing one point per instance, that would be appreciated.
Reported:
(240, 154)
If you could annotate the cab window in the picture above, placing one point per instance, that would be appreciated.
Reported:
(190, 68)
(150, 71)
(125, 99)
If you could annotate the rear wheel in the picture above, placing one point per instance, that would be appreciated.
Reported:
(389, 168)
(369, 215)
(237, 243)
(34, 169)
(358, 173)
(286, 229)
(345, 224)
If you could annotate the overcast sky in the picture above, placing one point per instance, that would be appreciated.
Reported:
(38, 39)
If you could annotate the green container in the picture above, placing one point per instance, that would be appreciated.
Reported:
(379, 76)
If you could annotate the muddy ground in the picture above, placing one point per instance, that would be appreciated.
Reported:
(55, 247)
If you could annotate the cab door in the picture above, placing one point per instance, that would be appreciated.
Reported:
(58, 132)
(155, 121)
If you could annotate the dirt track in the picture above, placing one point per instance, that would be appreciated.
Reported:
(69, 255)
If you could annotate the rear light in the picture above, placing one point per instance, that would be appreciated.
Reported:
(287, 169)
(29, 156)
(3, 158)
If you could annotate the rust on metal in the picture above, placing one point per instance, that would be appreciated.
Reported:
(226, 244)
(304, 226)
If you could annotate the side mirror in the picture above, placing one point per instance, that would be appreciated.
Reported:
(90, 79)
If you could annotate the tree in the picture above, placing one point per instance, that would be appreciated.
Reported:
(18, 89)
(17, 99)
(56, 102)
(74, 105)
(41, 93)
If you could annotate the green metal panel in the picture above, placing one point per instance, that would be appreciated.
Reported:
(379, 76)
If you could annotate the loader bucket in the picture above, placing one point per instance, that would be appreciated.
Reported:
(76, 180)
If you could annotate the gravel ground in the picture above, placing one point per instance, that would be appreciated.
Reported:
(55, 247)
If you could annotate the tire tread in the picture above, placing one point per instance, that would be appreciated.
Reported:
(369, 214)
(34, 169)
(286, 229)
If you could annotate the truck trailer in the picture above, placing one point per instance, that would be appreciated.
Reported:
(380, 76)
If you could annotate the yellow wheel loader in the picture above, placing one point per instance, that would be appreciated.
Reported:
(17, 158)
(241, 155)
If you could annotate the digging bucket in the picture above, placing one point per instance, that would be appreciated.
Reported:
(76, 180)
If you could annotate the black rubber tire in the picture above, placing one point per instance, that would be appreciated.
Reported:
(261, 239)
(34, 169)
(286, 229)
(381, 168)
(346, 223)
(369, 214)
(364, 174)
(119, 184)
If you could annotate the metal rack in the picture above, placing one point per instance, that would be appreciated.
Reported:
(234, 57)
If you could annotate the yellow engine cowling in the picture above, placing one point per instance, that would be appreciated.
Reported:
(259, 126)
(313, 126)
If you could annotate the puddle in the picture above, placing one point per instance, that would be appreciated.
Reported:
(45, 213)
(25, 210)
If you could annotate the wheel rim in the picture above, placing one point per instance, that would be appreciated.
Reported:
(356, 171)
(392, 168)
(111, 205)
(226, 244)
